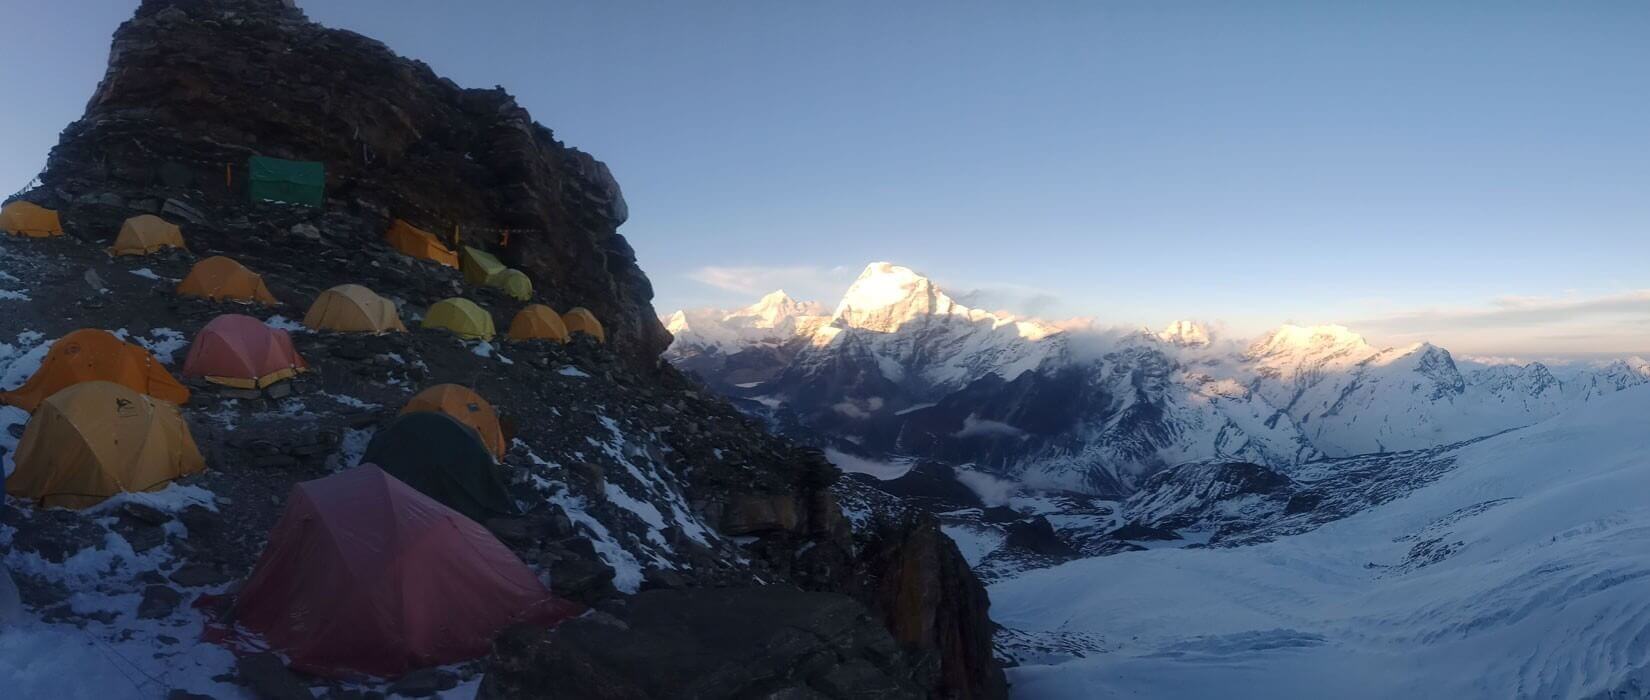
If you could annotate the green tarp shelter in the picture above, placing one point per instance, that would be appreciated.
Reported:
(479, 266)
(290, 181)
(445, 460)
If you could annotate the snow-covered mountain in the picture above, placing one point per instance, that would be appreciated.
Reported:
(894, 340)
(1514, 566)
(900, 368)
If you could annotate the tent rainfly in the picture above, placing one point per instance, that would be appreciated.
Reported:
(92, 354)
(445, 460)
(465, 406)
(352, 308)
(365, 575)
(514, 283)
(220, 278)
(96, 439)
(242, 352)
(22, 218)
(416, 242)
(579, 320)
(479, 266)
(462, 317)
(145, 234)
(538, 322)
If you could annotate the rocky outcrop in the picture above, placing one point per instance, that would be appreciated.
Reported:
(765, 642)
(933, 603)
(194, 87)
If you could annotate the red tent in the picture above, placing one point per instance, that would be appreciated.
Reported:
(240, 351)
(364, 575)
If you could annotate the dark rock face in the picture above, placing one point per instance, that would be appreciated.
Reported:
(1037, 535)
(770, 641)
(195, 86)
(934, 604)
(932, 485)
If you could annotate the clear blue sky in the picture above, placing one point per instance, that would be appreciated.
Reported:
(1476, 173)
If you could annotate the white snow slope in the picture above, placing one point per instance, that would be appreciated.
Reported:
(1524, 572)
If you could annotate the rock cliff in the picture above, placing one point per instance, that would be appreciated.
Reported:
(195, 87)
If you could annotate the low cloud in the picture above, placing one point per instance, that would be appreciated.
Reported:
(1018, 299)
(991, 490)
(1527, 324)
(974, 426)
(803, 282)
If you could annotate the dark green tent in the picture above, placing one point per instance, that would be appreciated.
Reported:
(445, 460)
(291, 181)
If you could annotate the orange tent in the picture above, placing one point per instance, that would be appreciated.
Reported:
(219, 278)
(580, 320)
(145, 234)
(241, 352)
(421, 244)
(90, 355)
(96, 439)
(466, 407)
(538, 322)
(22, 218)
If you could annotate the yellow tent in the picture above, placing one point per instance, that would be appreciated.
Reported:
(479, 266)
(418, 243)
(538, 322)
(352, 308)
(580, 320)
(465, 406)
(96, 439)
(462, 317)
(22, 218)
(145, 234)
(222, 279)
(513, 283)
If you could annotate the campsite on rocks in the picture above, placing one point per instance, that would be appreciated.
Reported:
(327, 373)
(320, 386)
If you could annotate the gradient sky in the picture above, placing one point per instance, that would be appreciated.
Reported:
(1473, 173)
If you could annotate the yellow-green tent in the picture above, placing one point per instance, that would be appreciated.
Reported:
(462, 317)
(479, 266)
(514, 283)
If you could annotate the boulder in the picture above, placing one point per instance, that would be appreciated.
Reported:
(767, 642)
(933, 604)
(752, 513)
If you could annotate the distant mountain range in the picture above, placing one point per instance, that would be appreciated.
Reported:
(900, 369)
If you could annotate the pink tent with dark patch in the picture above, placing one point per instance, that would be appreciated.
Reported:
(364, 575)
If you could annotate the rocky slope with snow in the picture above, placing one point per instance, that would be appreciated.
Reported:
(633, 479)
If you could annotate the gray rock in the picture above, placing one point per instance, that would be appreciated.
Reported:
(197, 575)
(709, 643)
(424, 682)
(178, 209)
(305, 231)
(270, 679)
(158, 602)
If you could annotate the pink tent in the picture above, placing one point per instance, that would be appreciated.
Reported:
(364, 575)
(241, 351)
